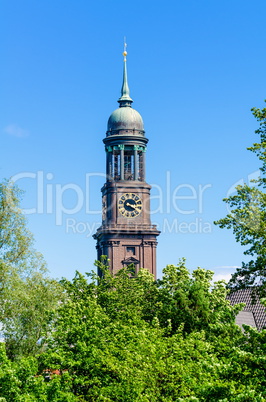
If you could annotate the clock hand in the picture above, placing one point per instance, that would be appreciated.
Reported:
(131, 205)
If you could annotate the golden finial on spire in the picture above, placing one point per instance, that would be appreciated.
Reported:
(125, 50)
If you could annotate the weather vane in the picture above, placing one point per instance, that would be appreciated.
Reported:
(125, 50)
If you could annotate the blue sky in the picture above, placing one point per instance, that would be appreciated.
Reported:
(195, 69)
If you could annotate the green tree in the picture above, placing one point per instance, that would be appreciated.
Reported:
(117, 338)
(27, 314)
(26, 292)
(247, 218)
(19, 382)
(129, 338)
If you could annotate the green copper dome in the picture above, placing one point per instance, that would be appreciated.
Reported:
(125, 118)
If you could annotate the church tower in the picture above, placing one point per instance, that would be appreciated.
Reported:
(126, 235)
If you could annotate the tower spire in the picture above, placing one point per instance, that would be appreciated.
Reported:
(125, 99)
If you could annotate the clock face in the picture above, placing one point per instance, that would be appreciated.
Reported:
(129, 205)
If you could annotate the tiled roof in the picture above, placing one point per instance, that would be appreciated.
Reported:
(245, 317)
(256, 308)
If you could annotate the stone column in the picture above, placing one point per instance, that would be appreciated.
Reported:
(122, 163)
(136, 162)
(144, 163)
(109, 163)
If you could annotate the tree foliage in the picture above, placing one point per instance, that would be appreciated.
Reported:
(130, 338)
(26, 292)
(247, 218)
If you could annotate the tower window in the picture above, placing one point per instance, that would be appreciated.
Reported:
(116, 165)
(129, 165)
(131, 250)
